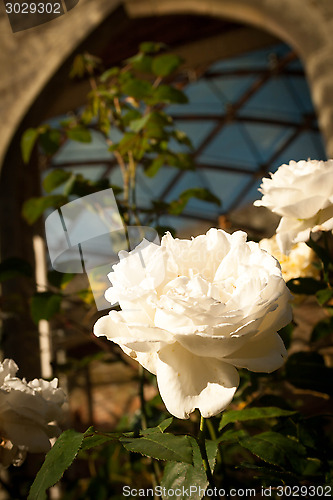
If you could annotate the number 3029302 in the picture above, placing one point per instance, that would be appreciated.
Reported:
(33, 8)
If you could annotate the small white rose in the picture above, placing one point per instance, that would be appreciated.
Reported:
(302, 194)
(196, 310)
(300, 263)
(26, 412)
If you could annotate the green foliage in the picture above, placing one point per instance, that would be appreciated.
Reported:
(254, 413)
(28, 142)
(58, 459)
(44, 305)
(161, 446)
(35, 207)
(183, 475)
(55, 178)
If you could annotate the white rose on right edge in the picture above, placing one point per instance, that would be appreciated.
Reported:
(302, 193)
(26, 412)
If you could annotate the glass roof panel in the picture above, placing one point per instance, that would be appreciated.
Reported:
(273, 99)
(232, 147)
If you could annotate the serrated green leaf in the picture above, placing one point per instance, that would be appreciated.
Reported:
(165, 64)
(161, 427)
(232, 436)
(13, 267)
(35, 207)
(55, 178)
(28, 141)
(79, 134)
(44, 305)
(275, 449)
(58, 459)
(161, 446)
(93, 438)
(254, 413)
(179, 477)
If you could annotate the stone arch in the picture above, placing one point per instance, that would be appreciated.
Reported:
(306, 25)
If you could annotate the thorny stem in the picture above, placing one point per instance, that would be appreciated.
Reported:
(202, 445)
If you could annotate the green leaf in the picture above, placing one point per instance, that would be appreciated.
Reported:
(307, 370)
(13, 267)
(35, 207)
(50, 140)
(160, 428)
(322, 329)
(59, 280)
(232, 436)
(134, 143)
(140, 123)
(139, 89)
(165, 64)
(55, 178)
(93, 438)
(44, 305)
(161, 446)
(79, 134)
(109, 73)
(155, 165)
(182, 138)
(324, 296)
(180, 477)
(151, 47)
(254, 413)
(58, 459)
(168, 95)
(177, 206)
(275, 449)
(28, 141)
(141, 62)
(306, 286)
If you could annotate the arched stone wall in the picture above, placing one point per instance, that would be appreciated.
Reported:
(28, 59)
(306, 25)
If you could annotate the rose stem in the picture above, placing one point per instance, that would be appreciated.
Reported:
(202, 445)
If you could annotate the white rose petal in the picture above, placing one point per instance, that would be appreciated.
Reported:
(302, 194)
(195, 311)
(26, 412)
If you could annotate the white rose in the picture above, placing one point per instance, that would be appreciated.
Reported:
(26, 410)
(193, 310)
(302, 193)
(300, 262)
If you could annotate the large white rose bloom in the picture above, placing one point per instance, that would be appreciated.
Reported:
(26, 412)
(302, 193)
(193, 310)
